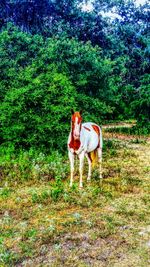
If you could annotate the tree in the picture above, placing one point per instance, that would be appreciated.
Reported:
(141, 103)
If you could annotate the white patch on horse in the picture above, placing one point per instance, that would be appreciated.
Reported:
(76, 128)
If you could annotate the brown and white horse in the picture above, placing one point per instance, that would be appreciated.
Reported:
(85, 139)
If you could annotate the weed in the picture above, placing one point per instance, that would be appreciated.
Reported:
(32, 165)
(27, 248)
(5, 192)
(7, 257)
(30, 234)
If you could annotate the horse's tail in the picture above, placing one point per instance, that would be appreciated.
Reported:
(101, 138)
(94, 157)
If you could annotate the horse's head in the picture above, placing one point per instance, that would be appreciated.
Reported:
(76, 120)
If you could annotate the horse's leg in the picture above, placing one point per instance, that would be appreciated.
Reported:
(71, 158)
(90, 168)
(99, 150)
(81, 158)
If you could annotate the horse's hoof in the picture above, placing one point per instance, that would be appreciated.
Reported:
(81, 187)
(88, 180)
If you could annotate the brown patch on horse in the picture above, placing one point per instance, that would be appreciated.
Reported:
(87, 128)
(97, 130)
(75, 144)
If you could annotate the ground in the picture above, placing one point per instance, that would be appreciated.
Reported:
(105, 224)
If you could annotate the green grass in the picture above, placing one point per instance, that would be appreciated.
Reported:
(45, 223)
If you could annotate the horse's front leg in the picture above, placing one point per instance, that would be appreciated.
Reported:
(81, 158)
(90, 167)
(71, 158)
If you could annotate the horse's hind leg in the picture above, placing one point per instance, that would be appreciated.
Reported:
(99, 150)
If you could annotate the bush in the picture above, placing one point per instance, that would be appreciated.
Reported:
(19, 166)
(38, 114)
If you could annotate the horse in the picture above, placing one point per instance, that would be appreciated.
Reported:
(85, 140)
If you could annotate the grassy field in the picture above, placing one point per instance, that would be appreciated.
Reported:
(44, 223)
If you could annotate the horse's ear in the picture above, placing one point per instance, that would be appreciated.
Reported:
(72, 111)
(81, 111)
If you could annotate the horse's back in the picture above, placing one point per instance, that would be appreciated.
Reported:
(90, 128)
(90, 125)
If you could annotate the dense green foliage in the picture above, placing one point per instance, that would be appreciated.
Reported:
(38, 91)
(61, 57)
